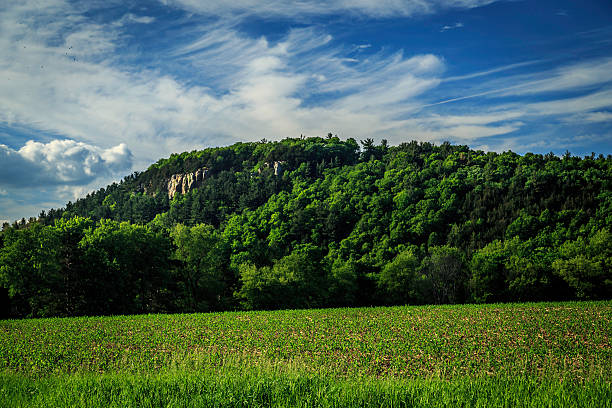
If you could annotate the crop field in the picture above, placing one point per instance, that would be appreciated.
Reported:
(487, 355)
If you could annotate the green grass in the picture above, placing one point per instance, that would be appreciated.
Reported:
(549, 354)
(257, 388)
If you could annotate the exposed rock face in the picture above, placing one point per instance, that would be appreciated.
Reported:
(278, 168)
(277, 165)
(183, 183)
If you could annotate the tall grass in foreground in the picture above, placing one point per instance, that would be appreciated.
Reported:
(267, 388)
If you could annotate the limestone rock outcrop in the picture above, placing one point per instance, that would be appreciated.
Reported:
(183, 183)
(277, 166)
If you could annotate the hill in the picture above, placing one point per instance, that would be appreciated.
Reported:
(314, 222)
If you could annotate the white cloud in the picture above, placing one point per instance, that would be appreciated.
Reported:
(304, 83)
(568, 94)
(89, 40)
(482, 119)
(459, 128)
(581, 104)
(451, 27)
(64, 74)
(256, 89)
(474, 132)
(594, 76)
(545, 142)
(138, 19)
(594, 117)
(491, 71)
(60, 162)
(290, 9)
(591, 74)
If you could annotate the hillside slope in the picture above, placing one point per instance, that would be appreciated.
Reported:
(320, 221)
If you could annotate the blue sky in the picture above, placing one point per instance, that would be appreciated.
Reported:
(93, 90)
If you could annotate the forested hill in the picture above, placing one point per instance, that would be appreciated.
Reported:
(316, 222)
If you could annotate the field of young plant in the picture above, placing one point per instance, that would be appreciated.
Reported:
(550, 350)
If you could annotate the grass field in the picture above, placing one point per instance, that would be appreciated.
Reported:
(549, 354)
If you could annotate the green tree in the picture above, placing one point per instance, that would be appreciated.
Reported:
(401, 280)
(586, 266)
(488, 274)
(204, 276)
(295, 281)
(43, 269)
(444, 268)
(131, 265)
(30, 271)
(343, 283)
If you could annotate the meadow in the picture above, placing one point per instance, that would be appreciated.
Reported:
(539, 354)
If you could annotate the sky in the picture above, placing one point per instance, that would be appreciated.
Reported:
(91, 91)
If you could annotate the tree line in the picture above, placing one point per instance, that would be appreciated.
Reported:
(345, 224)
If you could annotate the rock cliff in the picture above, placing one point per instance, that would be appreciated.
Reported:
(277, 165)
(183, 183)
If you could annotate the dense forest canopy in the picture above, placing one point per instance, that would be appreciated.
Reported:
(316, 222)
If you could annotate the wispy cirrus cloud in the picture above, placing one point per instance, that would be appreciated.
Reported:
(302, 83)
(588, 76)
(305, 82)
(594, 73)
(291, 9)
(88, 80)
(451, 27)
(591, 117)
(136, 19)
(255, 88)
(580, 91)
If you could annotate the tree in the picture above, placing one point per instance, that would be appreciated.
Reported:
(586, 266)
(30, 271)
(368, 149)
(76, 277)
(444, 267)
(343, 283)
(401, 280)
(512, 270)
(295, 281)
(204, 275)
(488, 274)
(130, 264)
(43, 269)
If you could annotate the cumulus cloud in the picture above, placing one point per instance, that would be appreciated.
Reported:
(60, 162)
